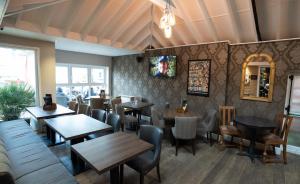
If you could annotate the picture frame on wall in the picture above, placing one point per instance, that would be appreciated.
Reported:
(199, 77)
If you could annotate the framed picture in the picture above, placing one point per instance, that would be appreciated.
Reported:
(198, 77)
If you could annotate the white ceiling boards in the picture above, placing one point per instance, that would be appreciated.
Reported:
(126, 24)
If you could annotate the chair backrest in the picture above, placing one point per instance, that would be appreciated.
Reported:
(84, 109)
(114, 102)
(227, 115)
(79, 99)
(73, 105)
(185, 127)
(209, 120)
(97, 103)
(114, 121)
(285, 128)
(120, 112)
(99, 114)
(152, 135)
(156, 116)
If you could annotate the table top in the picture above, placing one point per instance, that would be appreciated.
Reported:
(107, 97)
(40, 113)
(136, 106)
(76, 126)
(171, 113)
(109, 151)
(255, 122)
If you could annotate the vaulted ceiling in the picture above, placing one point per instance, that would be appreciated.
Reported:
(134, 24)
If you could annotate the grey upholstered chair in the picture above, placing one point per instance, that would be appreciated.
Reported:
(150, 159)
(84, 109)
(128, 120)
(114, 121)
(157, 118)
(114, 103)
(207, 125)
(99, 114)
(185, 129)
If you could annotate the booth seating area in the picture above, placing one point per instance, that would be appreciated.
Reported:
(25, 159)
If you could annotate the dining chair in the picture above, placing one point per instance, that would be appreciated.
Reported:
(97, 103)
(207, 125)
(79, 100)
(115, 102)
(157, 118)
(99, 114)
(114, 121)
(150, 159)
(84, 109)
(278, 137)
(185, 129)
(126, 120)
(227, 125)
(73, 105)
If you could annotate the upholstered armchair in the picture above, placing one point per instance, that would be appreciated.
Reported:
(157, 118)
(185, 129)
(207, 125)
(150, 159)
(114, 121)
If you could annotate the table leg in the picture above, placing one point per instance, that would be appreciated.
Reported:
(48, 131)
(115, 175)
(251, 150)
(52, 136)
(139, 117)
(78, 163)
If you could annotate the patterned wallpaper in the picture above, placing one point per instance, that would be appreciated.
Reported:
(132, 78)
(286, 55)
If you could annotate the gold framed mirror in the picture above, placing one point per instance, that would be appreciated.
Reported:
(258, 78)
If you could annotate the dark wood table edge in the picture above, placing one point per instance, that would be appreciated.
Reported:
(50, 116)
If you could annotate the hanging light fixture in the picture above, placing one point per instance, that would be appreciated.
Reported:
(167, 20)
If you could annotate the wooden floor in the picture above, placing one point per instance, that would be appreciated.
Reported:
(209, 165)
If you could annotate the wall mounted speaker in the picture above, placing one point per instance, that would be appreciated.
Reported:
(140, 59)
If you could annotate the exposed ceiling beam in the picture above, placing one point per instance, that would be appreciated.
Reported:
(187, 20)
(233, 21)
(43, 5)
(179, 35)
(143, 37)
(3, 8)
(135, 30)
(89, 23)
(47, 18)
(72, 17)
(254, 13)
(157, 34)
(133, 17)
(143, 45)
(114, 20)
(208, 21)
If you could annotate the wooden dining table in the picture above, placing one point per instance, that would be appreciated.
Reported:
(253, 125)
(110, 152)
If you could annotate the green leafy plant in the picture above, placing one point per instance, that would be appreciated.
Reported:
(13, 100)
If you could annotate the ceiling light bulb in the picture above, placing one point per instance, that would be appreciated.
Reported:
(168, 31)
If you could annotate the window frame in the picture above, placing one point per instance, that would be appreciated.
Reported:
(89, 84)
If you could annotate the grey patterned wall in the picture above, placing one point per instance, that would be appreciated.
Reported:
(286, 55)
(132, 78)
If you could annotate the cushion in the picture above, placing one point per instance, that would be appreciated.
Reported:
(6, 175)
(53, 174)
(272, 139)
(30, 158)
(143, 162)
(229, 130)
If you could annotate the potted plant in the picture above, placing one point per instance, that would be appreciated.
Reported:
(13, 100)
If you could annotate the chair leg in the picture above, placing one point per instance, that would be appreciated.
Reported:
(273, 149)
(222, 140)
(210, 138)
(158, 172)
(121, 173)
(176, 142)
(231, 140)
(241, 144)
(284, 155)
(141, 178)
(265, 154)
(206, 136)
(193, 146)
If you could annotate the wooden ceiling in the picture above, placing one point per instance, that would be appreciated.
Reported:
(134, 24)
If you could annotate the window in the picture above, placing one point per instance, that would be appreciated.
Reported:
(18, 65)
(73, 80)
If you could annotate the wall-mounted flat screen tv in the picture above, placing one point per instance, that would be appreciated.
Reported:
(162, 66)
